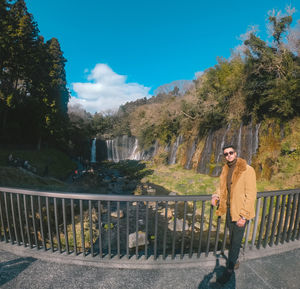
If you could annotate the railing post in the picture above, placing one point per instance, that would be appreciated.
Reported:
(297, 218)
(255, 222)
(2, 221)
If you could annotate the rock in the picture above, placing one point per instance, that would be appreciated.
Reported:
(152, 205)
(103, 210)
(141, 239)
(172, 194)
(179, 225)
(197, 225)
(115, 214)
(151, 191)
(169, 213)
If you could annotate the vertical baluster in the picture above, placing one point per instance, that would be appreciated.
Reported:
(297, 219)
(127, 230)
(2, 221)
(155, 231)
(292, 219)
(217, 235)
(91, 228)
(262, 223)
(270, 214)
(287, 216)
(56, 226)
(109, 229)
(274, 226)
(49, 224)
(118, 229)
(82, 227)
(27, 221)
(100, 230)
(193, 229)
(280, 219)
(165, 230)
(8, 218)
(224, 238)
(255, 222)
(147, 229)
(65, 226)
(209, 230)
(247, 235)
(41, 223)
(14, 218)
(73, 227)
(137, 230)
(201, 228)
(174, 230)
(33, 223)
(183, 230)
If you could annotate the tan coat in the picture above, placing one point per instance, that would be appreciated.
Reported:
(243, 191)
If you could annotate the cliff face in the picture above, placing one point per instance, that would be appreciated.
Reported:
(262, 145)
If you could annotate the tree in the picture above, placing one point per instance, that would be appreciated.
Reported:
(272, 74)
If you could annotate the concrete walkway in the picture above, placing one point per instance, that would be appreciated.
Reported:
(276, 268)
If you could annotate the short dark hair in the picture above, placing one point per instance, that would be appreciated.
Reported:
(228, 146)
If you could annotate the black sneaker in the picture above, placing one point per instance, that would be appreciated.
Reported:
(225, 277)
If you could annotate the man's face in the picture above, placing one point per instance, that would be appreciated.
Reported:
(230, 154)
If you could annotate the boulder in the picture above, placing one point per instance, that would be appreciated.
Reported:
(179, 225)
(141, 239)
(115, 214)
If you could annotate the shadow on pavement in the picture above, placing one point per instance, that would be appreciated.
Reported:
(11, 269)
(218, 270)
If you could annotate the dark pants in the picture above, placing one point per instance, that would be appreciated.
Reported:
(236, 234)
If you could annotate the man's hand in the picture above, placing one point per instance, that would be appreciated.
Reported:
(214, 200)
(241, 222)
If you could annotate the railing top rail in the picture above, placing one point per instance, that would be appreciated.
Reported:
(110, 197)
(278, 193)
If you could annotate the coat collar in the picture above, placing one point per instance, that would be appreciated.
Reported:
(241, 166)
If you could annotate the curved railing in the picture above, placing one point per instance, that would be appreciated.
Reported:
(126, 226)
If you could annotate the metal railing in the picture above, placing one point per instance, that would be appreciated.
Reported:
(119, 226)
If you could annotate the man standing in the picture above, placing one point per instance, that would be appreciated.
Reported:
(235, 197)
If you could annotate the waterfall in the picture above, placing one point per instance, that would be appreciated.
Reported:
(136, 154)
(219, 153)
(93, 151)
(250, 141)
(203, 167)
(175, 146)
(127, 148)
(190, 154)
(239, 142)
(255, 143)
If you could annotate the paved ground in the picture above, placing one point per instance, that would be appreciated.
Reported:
(281, 270)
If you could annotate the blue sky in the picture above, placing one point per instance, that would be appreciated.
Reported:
(120, 50)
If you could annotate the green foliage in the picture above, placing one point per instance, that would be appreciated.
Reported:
(272, 86)
(32, 81)
(215, 90)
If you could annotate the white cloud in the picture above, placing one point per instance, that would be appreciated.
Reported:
(106, 90)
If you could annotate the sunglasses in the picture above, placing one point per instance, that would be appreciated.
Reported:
(229, 153)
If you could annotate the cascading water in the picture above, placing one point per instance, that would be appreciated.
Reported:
(239, 141)
(93, 151)
(190, 154)
(174, 149)
(127, 148)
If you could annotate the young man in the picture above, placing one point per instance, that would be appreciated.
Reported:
(235, 197)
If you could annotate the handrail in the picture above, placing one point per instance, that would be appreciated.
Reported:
(113, 197)
(173, 225)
